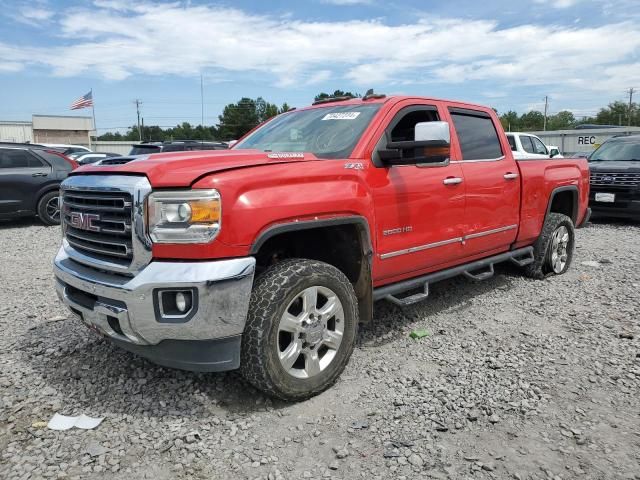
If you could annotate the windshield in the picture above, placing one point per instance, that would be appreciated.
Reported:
(621, 151)
(327, 132)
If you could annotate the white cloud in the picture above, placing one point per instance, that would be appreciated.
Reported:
(560, 3)
(117, 39)
(31, 15)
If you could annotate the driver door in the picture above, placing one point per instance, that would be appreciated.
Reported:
(419, 209)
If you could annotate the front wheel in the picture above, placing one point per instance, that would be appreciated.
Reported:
(49, 208)
(301, 329)
(553, 251)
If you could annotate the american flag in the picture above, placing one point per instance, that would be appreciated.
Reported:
(84, 101)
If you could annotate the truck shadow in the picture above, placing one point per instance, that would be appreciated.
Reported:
(85, 369)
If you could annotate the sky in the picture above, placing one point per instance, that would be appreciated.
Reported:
(582, 54)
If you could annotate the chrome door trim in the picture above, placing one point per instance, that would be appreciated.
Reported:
(442, 243)
(490, 232)
(482, 160)
(419, 248)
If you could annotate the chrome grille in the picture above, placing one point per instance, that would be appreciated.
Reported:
(99, 223)
(600, 179)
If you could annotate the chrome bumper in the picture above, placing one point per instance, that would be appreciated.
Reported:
(125, 308)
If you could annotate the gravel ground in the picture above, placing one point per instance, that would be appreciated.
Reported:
(518, 379)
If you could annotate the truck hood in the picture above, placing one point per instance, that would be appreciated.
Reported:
(182, 169)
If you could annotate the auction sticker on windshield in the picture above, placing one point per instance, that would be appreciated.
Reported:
(341, 116)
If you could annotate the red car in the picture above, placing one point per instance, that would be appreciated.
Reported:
(267, 256)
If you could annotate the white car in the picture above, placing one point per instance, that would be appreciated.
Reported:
(526, 146)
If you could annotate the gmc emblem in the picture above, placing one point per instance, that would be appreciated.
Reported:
(84, 221)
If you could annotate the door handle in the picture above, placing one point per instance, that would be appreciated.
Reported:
(510, 176)
(452, 181)
(38, 174)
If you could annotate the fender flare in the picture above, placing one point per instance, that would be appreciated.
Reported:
(277, 229)
(364, 286)
(576, 201)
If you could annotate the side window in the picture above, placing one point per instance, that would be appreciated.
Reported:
(539, 146)
(10, 158)
(512, 142)
(526, 144)
(404, 126)
(477, 135)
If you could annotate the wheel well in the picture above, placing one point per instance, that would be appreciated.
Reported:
(565, 202)
(345, 246)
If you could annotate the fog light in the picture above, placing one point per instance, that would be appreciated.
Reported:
(181, 302)
(175, 305)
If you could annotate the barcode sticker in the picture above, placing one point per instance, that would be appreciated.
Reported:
(341, 116)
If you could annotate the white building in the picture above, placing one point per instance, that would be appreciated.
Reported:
(48, 129)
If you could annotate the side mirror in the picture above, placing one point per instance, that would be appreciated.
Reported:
(553, 152)
(431, 145)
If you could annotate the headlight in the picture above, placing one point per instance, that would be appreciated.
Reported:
(191, 216)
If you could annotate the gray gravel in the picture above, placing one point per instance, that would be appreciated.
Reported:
(517, 379)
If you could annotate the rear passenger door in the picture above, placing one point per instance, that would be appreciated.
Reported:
(21, 175)
(492, 183)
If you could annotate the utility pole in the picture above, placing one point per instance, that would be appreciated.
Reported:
(138, 103)
(546, 106)
(631, 91)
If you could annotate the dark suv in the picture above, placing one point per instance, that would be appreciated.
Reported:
(30, 176)
(615, 178)
(175, 146)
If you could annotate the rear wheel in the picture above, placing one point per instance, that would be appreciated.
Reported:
(49, 208)
(553, 251)
(301, 329)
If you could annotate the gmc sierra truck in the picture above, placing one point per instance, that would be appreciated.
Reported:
(267, 256)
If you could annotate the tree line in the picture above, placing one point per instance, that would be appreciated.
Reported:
(616, 113)
(240, 117)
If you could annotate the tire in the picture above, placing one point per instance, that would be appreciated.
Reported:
(548, 259)
(282, 354)
(46, 212)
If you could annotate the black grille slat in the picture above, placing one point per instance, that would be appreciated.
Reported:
(603, 179)
(111, 214)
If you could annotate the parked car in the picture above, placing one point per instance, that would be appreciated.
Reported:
(146, 148)
(67, 149)
(267, 256)
(87, 158)
(615, 178)
(526, 146)
(30, 177)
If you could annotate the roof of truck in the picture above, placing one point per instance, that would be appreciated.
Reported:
(390, 98)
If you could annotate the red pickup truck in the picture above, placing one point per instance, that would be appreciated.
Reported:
(266, 257)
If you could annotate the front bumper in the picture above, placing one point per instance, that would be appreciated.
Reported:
(125, 308)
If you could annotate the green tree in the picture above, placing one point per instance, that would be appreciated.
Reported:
(238, 118)
(532, 120)
(617, 113)
(561, 121)
(337, 93)
(510, 121)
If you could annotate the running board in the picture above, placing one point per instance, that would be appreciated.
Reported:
(478, 270)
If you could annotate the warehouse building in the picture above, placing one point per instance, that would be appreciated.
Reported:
(582, 140)
(48, 129)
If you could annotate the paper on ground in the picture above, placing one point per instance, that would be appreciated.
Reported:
(63, 422)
